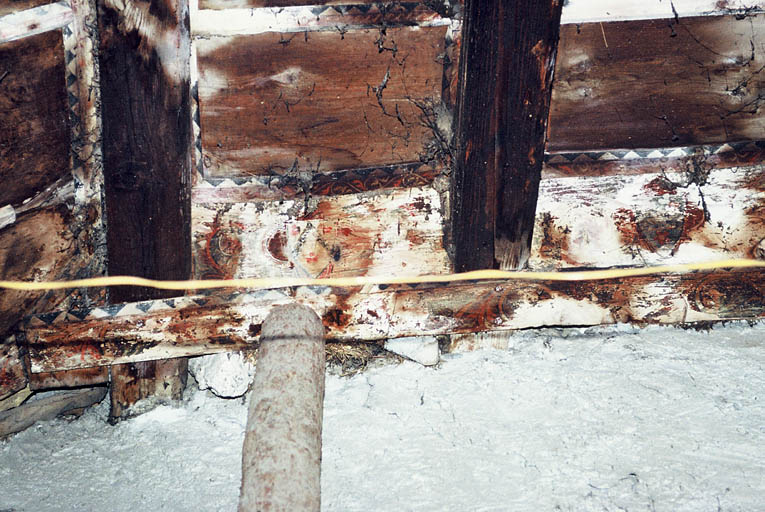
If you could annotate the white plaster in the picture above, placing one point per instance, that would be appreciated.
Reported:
(228, 375)
(558, 312)
(423, 350)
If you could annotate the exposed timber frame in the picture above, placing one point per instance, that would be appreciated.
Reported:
(226, 321)
(147, 146)
(506, 68)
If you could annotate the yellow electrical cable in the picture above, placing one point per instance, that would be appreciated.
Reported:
(286, 282)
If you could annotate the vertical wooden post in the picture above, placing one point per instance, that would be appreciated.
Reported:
(281, 459)
(506, 67)
(144, 61)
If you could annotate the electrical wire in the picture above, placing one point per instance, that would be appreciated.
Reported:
(288, 282)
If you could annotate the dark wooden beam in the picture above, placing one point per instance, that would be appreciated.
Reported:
(508, 55)
(145, 52)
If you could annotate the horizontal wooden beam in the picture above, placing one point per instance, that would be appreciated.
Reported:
(221, 322)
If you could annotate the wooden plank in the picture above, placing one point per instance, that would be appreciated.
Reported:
(13, 378)
(47, 408)
(145, 51)
(83, 377)
(508, 54)
(229, 321)
(160, 381)
(210, 21)
(34, 21)
(274, 103)
(39, 246)
(11, 6)
(649, 219)
(658, 83)
(583, 11)
(35, 139)
(394, 232)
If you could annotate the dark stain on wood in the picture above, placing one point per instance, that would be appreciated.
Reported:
(302, 104)
(508, 54)
(555, 240)
(654, 231)
(658, 83)
(147, 163)
(35, 135)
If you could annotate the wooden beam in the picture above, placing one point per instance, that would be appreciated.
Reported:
(508, 53)
(145, 51)
(231, 321)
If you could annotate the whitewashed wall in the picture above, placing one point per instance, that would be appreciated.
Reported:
(580, 11)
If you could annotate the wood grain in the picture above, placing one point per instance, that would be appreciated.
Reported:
(144, 60)
(658, 83)
(35, 136)
(224, 321)
(508, 54)
(273, 104)
(13, 378)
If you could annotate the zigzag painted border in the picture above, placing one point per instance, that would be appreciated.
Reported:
(647, 154)
(270, 188)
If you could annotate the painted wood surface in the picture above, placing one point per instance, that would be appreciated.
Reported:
(390, 232)
(274, 104)
(582, 11)
(147, 147)
(231, 20)
(11, 6)
(508, 56)
(223, 321)
(35, 135)
(35, 21)
(688, 82)
(649, 219)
